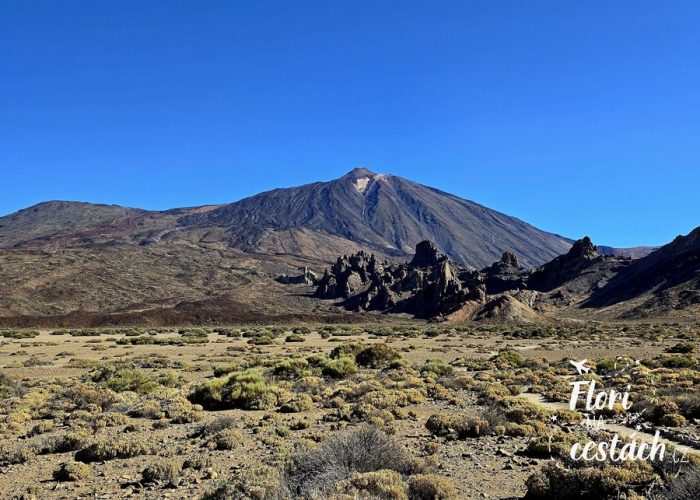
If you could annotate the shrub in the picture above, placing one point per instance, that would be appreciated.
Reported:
(12, 453)
(299, 404)
(340, 368)
(19, 334)
(678, 361)
(35, 360)
(457, 426)
(227, 439)
(109, 419)
(124, 376)
(8, 387)
(198, 461)
(430, 487)
(511, 358)
(108, 449)
(436, 366)
(181, 411)
(290, 369)
(314, 473)
(261, 340)
(41, 428)
(70, 441)
(348, 350)
(72, 471)
(376, 356)
(685, 486)
(682, 348)
(548, 446)
(148, 409)
(208, 393)
(86, 395)
(246, 389)
(217, 425)
(171, 379)
(223, 370)
(605, 365)
(554, 481)
(672, 420)
(379, 484)
(663, 407)
(257, 483)
(165, 471)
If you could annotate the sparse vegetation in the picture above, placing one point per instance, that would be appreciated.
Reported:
(331, 417)
(72, 471)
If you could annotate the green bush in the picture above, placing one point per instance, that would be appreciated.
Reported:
(301, 403)
(104, 449)
(165, 471)
(682, 348)
(347, 350)
(246, 389)
(605, 365)
(678, 361)
(124, 376)
(376, 356)
(71, 471)
(554, 481)
(227, 439)
(672, 420)
(18, 334)
(340, 368)
(510, 357)
(430, 487)
(290, 369)
(436, 366)
(261, 340)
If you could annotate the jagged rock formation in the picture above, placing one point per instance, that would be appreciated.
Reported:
(551, 275)
(428, 286)
(431, 285)
(506, 274)
(305, 278)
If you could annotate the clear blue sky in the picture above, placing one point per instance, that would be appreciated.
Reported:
(578, 117)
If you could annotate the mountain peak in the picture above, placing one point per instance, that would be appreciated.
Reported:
(359, 172)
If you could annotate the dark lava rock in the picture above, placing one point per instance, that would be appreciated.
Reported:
(426, 255)
(582, 255)
(305, 278)
(428, 286)
(506, 274)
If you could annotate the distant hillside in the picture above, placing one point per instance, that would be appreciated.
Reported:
(632, 253)
(386, 214)
(667, 279)
(52, 218)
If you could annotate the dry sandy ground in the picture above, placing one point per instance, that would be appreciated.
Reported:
(487, 467)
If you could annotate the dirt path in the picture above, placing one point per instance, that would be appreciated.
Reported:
(617, 428)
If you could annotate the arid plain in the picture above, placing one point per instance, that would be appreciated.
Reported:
(244, 412)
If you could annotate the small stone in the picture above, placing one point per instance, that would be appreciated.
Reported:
(210, 473)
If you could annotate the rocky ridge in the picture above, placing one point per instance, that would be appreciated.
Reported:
(433, 286)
